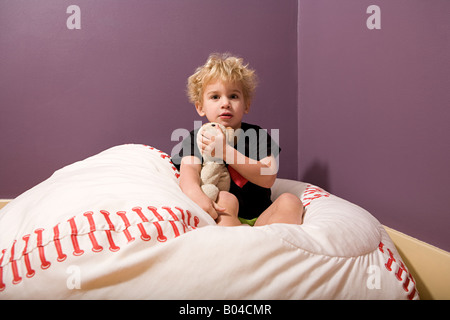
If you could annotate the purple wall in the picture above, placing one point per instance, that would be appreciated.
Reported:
(374, 109)
(373, 105)
(68, 94)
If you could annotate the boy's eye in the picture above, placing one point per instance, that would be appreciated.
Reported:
(215, 97)
(234, 96)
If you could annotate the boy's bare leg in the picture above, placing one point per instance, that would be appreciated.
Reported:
(229, 217)
(287, 208)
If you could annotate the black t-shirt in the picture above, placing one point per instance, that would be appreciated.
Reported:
(253, 142)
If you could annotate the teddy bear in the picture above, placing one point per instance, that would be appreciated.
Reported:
(214, 174)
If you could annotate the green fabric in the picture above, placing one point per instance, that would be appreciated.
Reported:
(246, 221)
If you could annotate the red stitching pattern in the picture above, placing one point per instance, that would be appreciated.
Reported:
(174, 222)
(166, 157)
(76, 247)
(161, 237)
(44, 263)
(61, 255)
(144, 235)
(2, 284)
(16, 276)
(112, 245)
(127, 233)
(311, 193)
(399, 269)
(138, 210)
(30, 271)
(95, 246)
(155, 213)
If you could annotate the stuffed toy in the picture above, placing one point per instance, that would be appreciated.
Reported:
(214, 175)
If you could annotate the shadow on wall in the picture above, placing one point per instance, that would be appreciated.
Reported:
(317, 174)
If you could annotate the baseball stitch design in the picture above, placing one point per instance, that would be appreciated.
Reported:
(400, 271)
(111, 232)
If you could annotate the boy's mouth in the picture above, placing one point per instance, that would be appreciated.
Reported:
(225, 115)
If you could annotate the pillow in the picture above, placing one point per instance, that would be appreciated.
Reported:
(366, 260)
(117, 226)
(125, 194)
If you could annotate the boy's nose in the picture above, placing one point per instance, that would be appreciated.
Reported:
(225, 103)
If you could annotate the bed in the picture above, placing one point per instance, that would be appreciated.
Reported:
(117, 226)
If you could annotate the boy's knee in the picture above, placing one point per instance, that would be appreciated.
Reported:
(228, 200)
(292, 208)
(227, 196)
(290, 199)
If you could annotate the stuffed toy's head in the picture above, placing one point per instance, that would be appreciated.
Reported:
(211, 127)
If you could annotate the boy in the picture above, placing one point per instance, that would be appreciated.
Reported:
(221, 91)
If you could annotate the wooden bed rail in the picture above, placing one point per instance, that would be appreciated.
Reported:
(429, 265)
(3, 202)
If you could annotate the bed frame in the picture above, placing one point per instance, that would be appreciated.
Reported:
(428, 265)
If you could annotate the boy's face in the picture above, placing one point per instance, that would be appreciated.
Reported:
(224, 103)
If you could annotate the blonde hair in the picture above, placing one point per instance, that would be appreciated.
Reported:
(223, 67)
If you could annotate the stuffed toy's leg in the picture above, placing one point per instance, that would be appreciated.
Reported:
(214, 177)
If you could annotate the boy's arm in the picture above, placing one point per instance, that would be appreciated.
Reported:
(262, 173)
(190, 185)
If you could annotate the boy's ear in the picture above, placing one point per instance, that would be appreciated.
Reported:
(199, 109)
(247, 107)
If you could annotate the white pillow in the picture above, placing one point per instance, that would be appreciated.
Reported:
(350, 238)
(117, 226)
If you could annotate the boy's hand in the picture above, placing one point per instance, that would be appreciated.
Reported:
(214, 145)
(209, 206)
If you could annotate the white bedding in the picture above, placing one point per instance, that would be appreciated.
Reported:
(117, 226)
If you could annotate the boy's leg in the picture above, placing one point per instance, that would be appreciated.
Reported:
(228, 218)
(287, 208)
